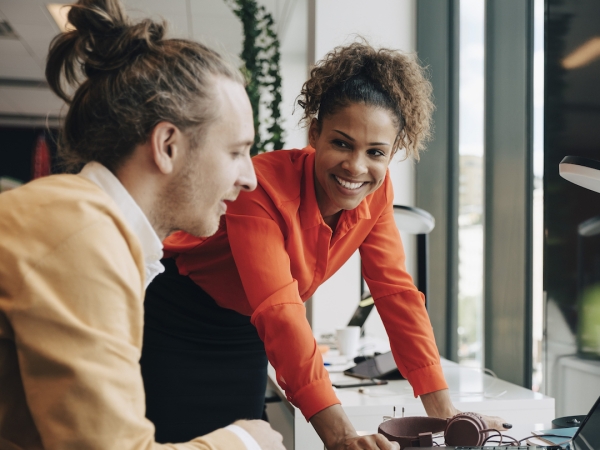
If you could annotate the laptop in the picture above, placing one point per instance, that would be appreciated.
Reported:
(381, 366)
(363, 310)
(587, 437)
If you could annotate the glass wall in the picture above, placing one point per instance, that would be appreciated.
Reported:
(538, 195)
(471, 182)
(472, 185)
(480, 55)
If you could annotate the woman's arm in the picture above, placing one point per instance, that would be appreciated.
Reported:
(438, 404)
(403, 312)
(279, 314)
(401, 306)
(280, 319)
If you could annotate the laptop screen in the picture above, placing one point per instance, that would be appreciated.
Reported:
(588, 435)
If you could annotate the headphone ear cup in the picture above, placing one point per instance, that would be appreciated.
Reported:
(466, 429)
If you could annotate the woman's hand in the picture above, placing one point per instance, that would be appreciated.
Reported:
(496, 423)
(370, 442)
(438, 404)
(335, 430)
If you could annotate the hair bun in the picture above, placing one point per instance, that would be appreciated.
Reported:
(108, 39)
(97, 16)
(111, 51)
(103, 40)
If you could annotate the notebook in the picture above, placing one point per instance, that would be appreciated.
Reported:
(554, 436)
(587, 437)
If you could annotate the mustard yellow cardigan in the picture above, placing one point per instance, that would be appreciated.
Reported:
(71, 321)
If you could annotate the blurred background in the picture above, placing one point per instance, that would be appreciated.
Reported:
(516, 89)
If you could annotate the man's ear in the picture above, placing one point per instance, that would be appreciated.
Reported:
(167, 146)
(314, 130)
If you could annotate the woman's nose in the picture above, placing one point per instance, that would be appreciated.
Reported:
(355, 164)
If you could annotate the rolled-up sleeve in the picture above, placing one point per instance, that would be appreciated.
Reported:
(401, 306)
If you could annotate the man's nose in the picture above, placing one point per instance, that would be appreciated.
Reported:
(247, 178)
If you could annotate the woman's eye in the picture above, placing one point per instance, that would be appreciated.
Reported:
(375, 152)
(339, 143)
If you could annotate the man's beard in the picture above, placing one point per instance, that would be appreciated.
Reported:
(176, 202)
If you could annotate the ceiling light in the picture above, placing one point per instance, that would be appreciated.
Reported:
(59, 12)
(583, 55)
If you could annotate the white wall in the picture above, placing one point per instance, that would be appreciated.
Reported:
(293, 38)
(212, 22)
(389, 23)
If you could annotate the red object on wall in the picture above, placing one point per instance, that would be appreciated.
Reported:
(41, 158)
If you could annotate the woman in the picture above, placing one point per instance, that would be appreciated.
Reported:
(224, 296)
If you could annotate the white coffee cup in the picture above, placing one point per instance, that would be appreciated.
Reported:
(347, 341)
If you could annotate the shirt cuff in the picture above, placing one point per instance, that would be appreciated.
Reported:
(244, 436)
(427, 379)
(314, 398)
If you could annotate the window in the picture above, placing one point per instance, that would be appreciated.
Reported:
(471, 182)
(481, 160)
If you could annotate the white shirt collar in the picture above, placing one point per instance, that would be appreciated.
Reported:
(244, 436)
(135, 217)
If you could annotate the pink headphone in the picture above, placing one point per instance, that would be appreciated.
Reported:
(464, 429)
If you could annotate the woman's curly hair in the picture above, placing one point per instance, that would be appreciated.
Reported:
(359, 73)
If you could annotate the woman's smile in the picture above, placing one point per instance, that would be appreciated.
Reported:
(349, 185)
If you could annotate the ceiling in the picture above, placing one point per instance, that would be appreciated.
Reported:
(24, 95)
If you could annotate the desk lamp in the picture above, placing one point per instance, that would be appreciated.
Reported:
(417, 221)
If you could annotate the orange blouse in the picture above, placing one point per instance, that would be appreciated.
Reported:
(273, 250)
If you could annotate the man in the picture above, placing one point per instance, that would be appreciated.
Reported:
(76, 251)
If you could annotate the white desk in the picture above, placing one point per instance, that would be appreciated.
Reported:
(470, 390)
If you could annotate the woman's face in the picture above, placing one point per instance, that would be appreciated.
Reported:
(353, 151)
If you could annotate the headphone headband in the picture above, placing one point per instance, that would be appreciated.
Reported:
(464, 429)
(412, 431)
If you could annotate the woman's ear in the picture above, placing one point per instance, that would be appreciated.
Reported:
(314, 130)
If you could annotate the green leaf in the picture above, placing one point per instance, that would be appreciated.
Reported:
(261, 57)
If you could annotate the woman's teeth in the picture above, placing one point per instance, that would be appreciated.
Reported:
(347, 184)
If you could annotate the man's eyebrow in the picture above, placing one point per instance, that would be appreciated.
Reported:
(350, 138)
(243, 143)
